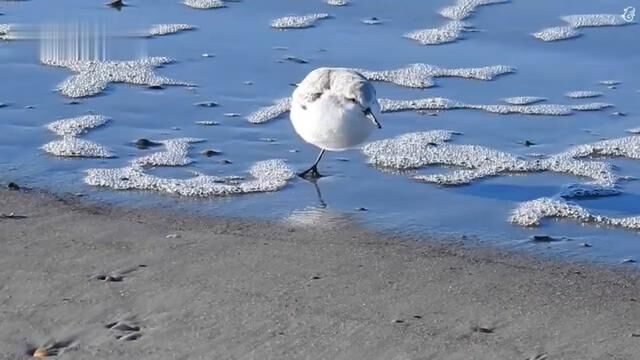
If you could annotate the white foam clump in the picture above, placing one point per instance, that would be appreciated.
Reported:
(557, 33)
(579, 21)
(581, 94)
(388, 105)
(297, 22)
(265, 114)
(463, 8)
(175, 154)
(166, 29)
(77, 125)
(70, 145)
(628, 146)
(94, 76)
(416, 150)
(5, 32)
(204, 4)
(270, 175)
(531, 213)
(282, 106)
(524, 100)
(609, 82)
(337, 2)
(446, 33)
(592, 20)
(421, 75)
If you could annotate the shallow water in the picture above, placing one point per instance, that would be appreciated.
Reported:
(247, 49)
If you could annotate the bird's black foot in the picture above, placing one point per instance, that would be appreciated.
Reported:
(311, 173)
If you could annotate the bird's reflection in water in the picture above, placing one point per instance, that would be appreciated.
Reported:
(323, 204)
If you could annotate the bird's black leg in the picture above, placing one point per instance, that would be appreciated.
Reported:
(312, 172)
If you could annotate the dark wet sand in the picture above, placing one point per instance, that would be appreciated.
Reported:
(225, 289)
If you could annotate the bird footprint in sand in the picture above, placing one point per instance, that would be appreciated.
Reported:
(125, 330)
(117, 276)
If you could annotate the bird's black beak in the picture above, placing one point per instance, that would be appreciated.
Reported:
(372, 117)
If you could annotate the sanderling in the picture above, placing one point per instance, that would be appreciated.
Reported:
(334, 109)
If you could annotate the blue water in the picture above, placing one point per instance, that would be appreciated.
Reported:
(243, 44)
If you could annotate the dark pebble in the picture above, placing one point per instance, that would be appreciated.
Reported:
(206, 104)
(482, 329)
(145, 144)
(210, 153)
(417, 317)
(315, 278)
(543, 238)
(398, 321)
(296, 60)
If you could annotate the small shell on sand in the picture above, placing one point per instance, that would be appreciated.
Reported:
(40, 353)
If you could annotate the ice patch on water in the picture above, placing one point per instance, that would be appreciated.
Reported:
(337, 2)
(531, 213)
(70, 146)
(464, 8)
(94, 76)
(166, 29)
(583, 94)
(557, 33)
(265, 114)
(579, 21)
(524, 100)
(297, 22)
(446, 33)
(421, 75)
(634, 130)
(204, 4)
(77, 125)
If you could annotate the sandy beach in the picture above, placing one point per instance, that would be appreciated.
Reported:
(93, 282)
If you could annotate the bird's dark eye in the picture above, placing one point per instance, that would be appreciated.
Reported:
(352, 100)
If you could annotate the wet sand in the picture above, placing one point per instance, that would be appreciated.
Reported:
(107, 283)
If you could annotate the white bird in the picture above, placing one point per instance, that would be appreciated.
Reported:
(334, 109)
